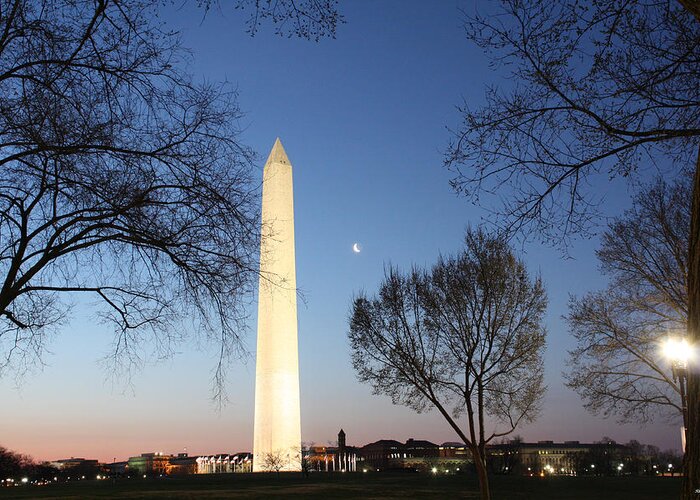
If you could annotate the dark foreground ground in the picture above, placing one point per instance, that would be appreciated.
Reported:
(358, 485)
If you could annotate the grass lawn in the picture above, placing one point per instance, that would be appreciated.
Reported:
(358, 485)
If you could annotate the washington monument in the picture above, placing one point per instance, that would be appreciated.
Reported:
(277, 433)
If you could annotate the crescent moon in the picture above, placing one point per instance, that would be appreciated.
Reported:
(356, 248)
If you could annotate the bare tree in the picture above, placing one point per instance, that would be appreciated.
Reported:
(465, 338)
(598, 89)
(279, 460)
(616, 366)
(121, 179)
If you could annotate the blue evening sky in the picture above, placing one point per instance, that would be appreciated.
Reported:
(363, 119)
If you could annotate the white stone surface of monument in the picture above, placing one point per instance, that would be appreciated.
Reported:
(277, 431)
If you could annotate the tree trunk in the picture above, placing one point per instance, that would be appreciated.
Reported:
(692, 6)
(481, 472)
(691, 484)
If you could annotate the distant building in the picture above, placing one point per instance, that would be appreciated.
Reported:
(513, 457)
(181, 465)
(551, 458)
(379, 453)
(414, 454)
(152, 464)
(68, 463)
(454, 450)
(116, 468)
(161, 464)
(341, 458)
(224, 463)
(419, 448)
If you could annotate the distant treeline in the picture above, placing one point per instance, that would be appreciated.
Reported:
(17, 466)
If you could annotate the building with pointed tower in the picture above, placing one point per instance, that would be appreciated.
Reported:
(341, 441)
(277, 431)
(341, 458)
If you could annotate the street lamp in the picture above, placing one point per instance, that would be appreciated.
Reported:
(679, 352)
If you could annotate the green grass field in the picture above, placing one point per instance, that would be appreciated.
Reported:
(368, 486)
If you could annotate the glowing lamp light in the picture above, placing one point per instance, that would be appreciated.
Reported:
(677, 350)
(434, 470)
(25, 480)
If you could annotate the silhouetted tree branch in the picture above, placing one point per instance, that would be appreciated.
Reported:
(616, 366)
(312, 19)
(596, 90)
(122, 179)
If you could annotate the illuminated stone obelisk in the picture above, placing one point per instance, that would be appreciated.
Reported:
(277, 433)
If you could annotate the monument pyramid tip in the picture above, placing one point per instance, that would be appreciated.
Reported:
(278, 154)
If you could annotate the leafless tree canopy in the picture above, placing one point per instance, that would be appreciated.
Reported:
(616, 367)
(596, 88)
(121, 179)
(278, 460)
(465, 337)
(312, 19)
